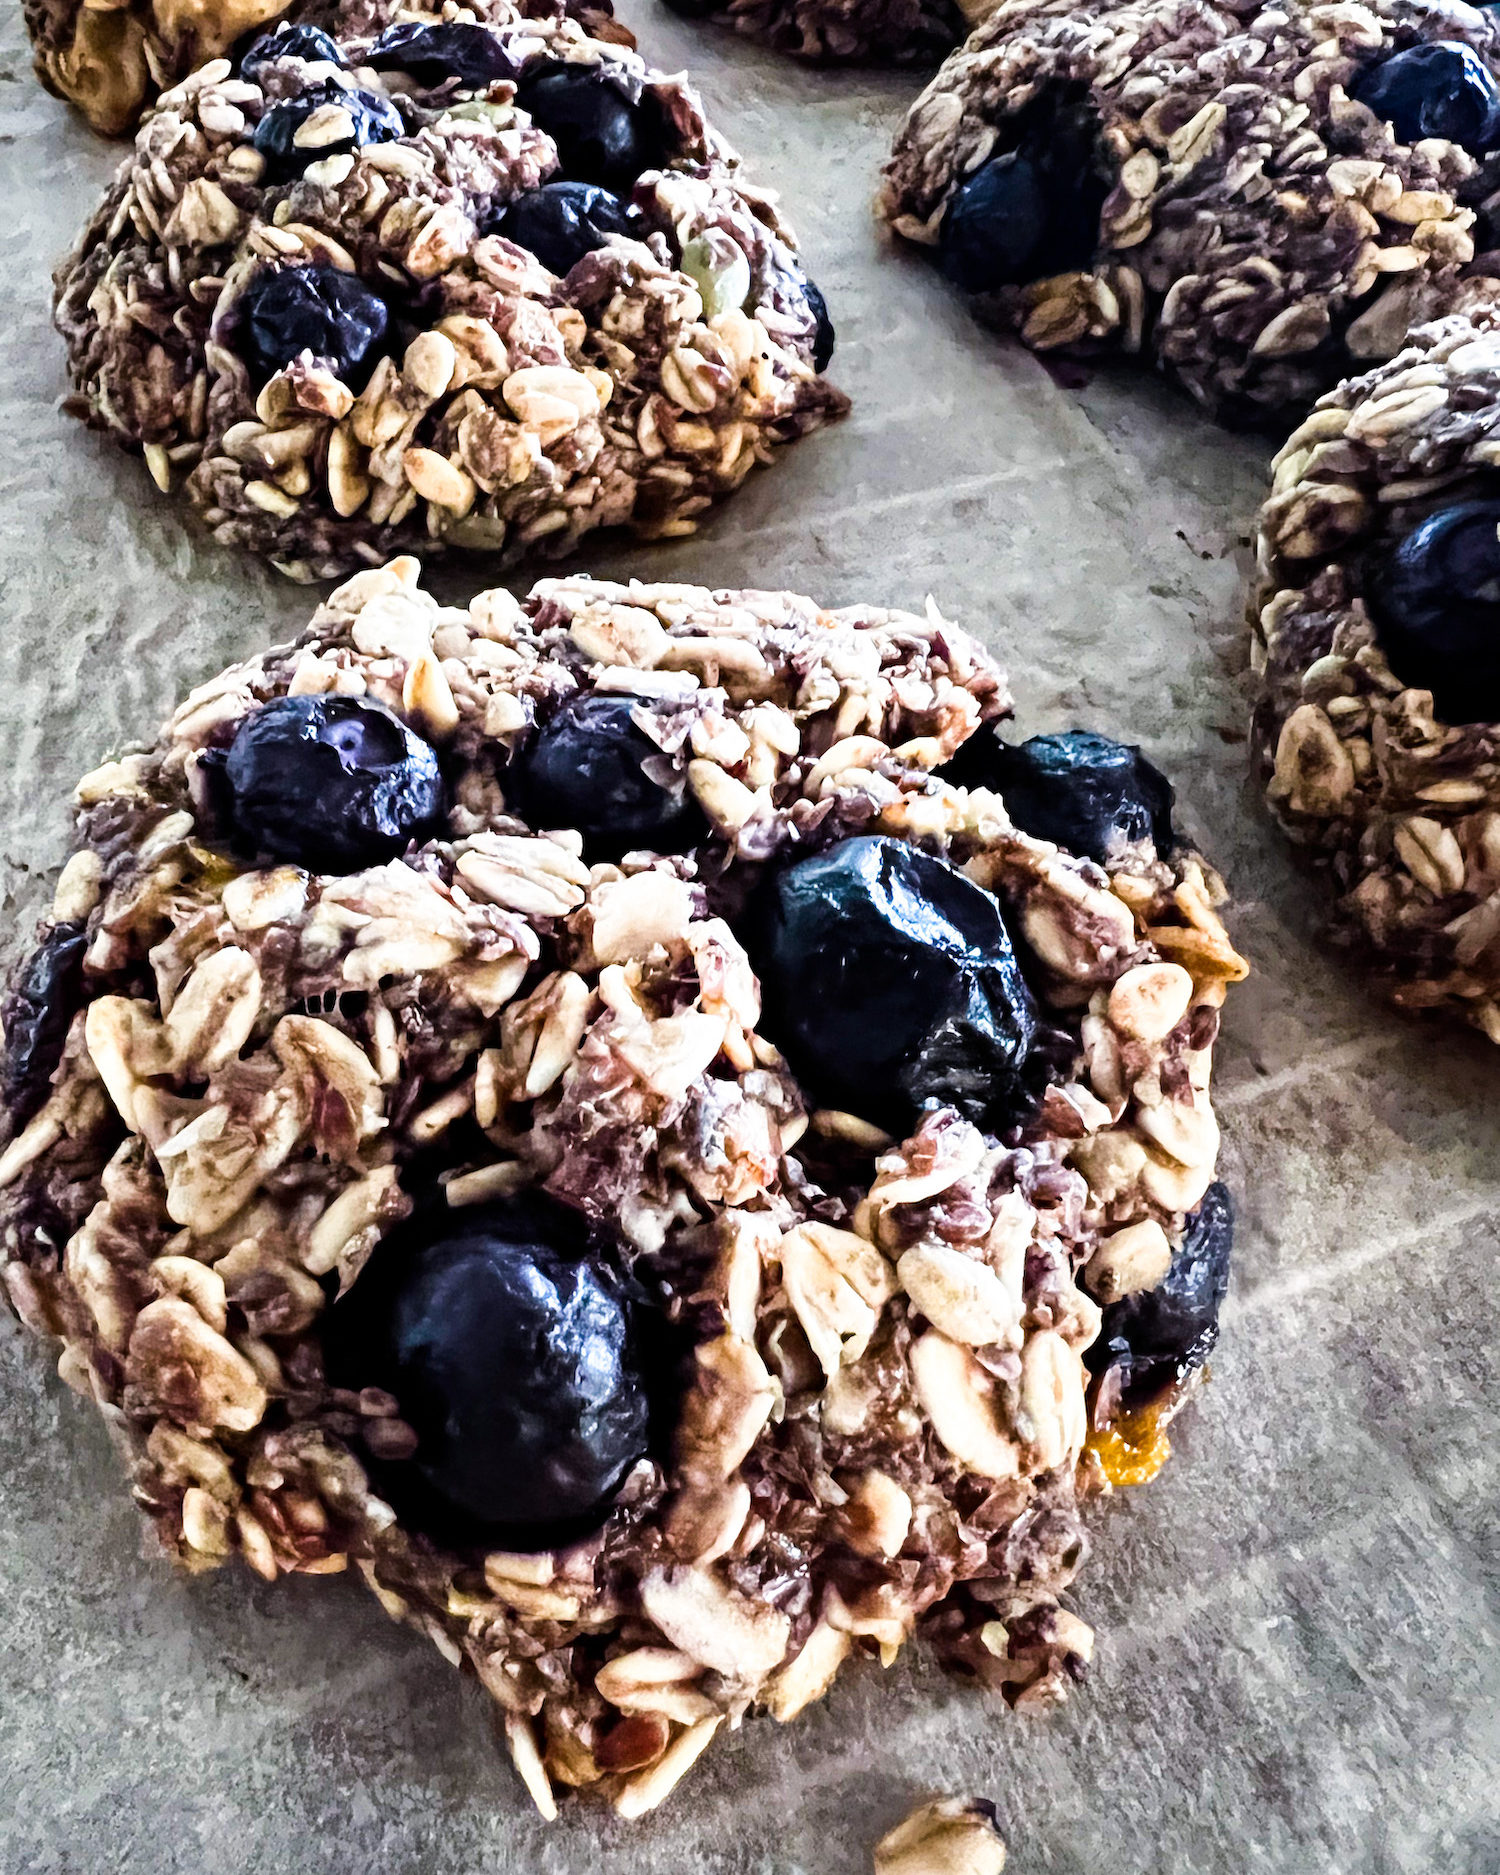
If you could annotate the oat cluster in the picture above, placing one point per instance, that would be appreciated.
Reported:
(512, 412)
(828, 32)
(1264, 233)
(887, 1423)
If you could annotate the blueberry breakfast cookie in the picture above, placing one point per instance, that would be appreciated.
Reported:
(456, 286)
(636, 1122)
(898, 32)
(1251, 196)
(112, 61)
(1377, 629)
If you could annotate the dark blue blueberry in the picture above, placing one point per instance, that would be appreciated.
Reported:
(1442, 89)
(823, 333)
(1033, 210)
(889, 981)
(331, 783)
(43, 996)
(1088, 794)
(1161, 1335)
(563, 221)
(1435, 601)
(601, 136)
(376, 120)
(322, 310)
(995, 226)
(591, 768)
(514, 1357)
(308, 43)
(433, 54)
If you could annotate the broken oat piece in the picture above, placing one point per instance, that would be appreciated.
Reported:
(1376, 629)
(418, 1135)
(947, 1836)
(112, 61)
(1255, 198)
(491, 292)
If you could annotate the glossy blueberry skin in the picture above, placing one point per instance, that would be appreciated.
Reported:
(44, 994)
(376, 120)
(600, 135)
(824, 337)
(1162, 1334)
(434, 54)
(514, 1356)
(1084, 792)
(562, 221)
(1435, 601)
(1441, 89)
(590, 767)
(1032, 210)
(331, 783)
(889, 981)
(323, 310)
(309, 43)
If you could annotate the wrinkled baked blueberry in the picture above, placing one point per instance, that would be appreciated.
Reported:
(374, 118)
(43, 996)
(1435, 600)
(823, 333)
(1161, 1335)
(322, 310)
(331, 783)
(1084, 792)
(601, 136)
(513, 1355)
(589, 766)
(563, 221)
(434, 54)
(309, 43)
(1442, 89)
(1030, 212)
(889, 980)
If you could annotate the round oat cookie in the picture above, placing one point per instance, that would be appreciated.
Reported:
(418, 1137)
(842, 32)
(112, 61)
(1255, 197)
(510, 293)
(1376, 628)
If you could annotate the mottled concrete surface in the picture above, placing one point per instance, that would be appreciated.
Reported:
(1297, 1672)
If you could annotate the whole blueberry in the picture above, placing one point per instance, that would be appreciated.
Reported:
(995, 226)
(1162, 1334)
(1084, 792)
(375, 120)
(513, 1354)
(38, 1009)
(1441, 89)
(434, 54)
(323, 310)
(331, 783)
(589, 766)
(1435, 601)
(601, 136)
(823, 333)
(562, 221)
(889, 981)
(309, 43)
